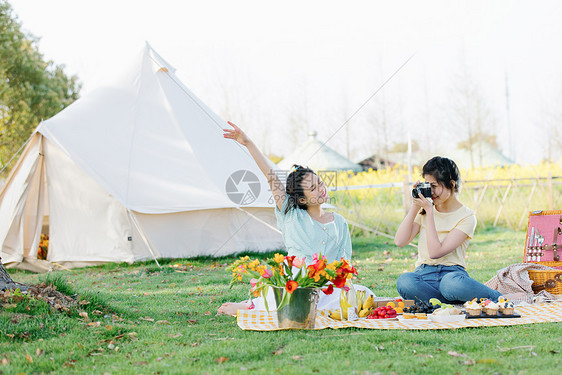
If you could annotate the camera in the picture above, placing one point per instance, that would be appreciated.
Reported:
(424, 188)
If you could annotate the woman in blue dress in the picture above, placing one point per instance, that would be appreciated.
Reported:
(306, 227)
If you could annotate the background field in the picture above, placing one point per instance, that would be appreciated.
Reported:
(156, 321)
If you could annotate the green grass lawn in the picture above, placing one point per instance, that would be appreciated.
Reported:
(147, 320)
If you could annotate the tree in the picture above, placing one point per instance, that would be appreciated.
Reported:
(31, 89)
(550, 123)
(298, 121)
(471, 117)
(403, 147)
(381, 125)
(6, 281)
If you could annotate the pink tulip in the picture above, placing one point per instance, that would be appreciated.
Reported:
(267, 273)
(298, 262)
(253, 282)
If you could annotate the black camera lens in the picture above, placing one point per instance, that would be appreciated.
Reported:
(424, 189)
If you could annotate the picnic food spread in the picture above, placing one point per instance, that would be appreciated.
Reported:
(432, 311)
(537, 313)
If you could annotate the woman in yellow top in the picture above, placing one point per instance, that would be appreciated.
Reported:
(445, 227)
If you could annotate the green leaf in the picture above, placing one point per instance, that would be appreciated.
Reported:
(31, 89)
(285, 300)
(264, 292)
(288, 270)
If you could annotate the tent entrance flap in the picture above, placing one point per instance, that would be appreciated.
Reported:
(22, 204)
(86, 224)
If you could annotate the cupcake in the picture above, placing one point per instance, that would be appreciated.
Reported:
(484, 302)
(491, 308)
(506, 307)
(473, 308)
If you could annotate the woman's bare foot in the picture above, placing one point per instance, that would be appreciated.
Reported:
(231, 308)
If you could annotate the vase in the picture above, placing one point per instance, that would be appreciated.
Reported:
(300, 312)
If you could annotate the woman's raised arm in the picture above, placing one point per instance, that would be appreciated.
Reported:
(277, 187)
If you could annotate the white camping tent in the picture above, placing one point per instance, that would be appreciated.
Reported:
(136, 169)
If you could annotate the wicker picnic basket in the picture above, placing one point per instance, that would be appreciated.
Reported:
(543, 245)
(550, 279)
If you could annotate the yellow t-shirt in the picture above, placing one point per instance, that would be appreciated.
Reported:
(463, 219)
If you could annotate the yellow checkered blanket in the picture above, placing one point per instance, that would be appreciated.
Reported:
(259, 320)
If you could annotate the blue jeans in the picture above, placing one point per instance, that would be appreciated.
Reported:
(450, 284)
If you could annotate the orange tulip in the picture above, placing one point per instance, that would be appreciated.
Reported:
(291, 286)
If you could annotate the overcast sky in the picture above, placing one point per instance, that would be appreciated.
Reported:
(259, 63)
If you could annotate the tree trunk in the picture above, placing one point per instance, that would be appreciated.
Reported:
(6, 281)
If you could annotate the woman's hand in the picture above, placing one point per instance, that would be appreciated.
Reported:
(422, 202)
(237, 134)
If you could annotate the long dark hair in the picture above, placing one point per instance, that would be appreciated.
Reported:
(445, 171)
(294, 189)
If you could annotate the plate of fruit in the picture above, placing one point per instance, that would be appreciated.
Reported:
(420, 311)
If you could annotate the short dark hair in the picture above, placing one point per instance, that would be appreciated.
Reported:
(294, 189)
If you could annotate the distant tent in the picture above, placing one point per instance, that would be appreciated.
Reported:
(136, 169)
(375, 163)
(483, 155)
(319, 157)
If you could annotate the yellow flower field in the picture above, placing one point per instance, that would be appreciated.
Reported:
(400, 173)
(500, 196)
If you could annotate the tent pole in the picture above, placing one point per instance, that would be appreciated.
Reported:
(143, 236)
(61, 266)
(17, 152)
(260, 220)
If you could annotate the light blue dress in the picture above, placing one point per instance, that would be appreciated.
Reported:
(303, 236)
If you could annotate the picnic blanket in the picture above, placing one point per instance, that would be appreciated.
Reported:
(260, 320)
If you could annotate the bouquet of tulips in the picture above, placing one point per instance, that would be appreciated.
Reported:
(290, 273)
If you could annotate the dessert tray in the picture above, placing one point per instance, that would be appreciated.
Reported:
(499, 316)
